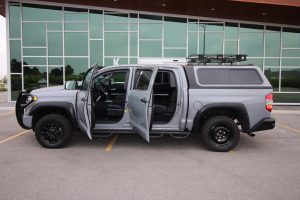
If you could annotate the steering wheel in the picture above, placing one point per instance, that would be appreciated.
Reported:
(101, 93)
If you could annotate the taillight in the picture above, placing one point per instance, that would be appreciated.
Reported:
(269, 102)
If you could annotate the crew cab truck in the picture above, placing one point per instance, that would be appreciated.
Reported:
(218, 101)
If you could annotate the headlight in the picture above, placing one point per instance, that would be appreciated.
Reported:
(30, 99)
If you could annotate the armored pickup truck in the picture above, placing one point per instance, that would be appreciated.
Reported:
(209, 95)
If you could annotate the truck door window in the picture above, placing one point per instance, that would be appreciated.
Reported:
(143, 78)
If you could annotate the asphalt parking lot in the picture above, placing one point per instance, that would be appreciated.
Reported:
(125, 167)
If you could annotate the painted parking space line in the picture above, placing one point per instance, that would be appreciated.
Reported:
(289, 128)
(14, 136)
(110, 145)
(7, 113)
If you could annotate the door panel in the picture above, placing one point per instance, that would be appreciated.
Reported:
(139, 101)
(83, 102)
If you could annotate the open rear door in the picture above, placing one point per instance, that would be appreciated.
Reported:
(139, 100)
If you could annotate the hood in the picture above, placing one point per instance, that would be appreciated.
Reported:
(47, 90)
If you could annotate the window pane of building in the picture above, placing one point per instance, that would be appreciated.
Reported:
(192, 45)
(55, 61)
(34, 60)
(231, 31)
(35, 77)
(231, 47)
(251, 28)
(254, 61)
(96, 20)
(55, 43)
(291, 53)
(133, 44)
(15, 56)
(14, 21)
(34, 34)
(34, 51)
(75, 68)
(116, 27)
(55, 76)
(211, 27)
(175, 30)
(16, 86)
(286, 97)
(175, 53)
(54, 26)
(76, 44)
(33, 12)
(75, 14)
(291, 38)
(272, 75)
(150, 31)
(193, 26)
(272, 62)
(96, 52)
(213, 43)
(290, 79)
(76, 26)
(110, 61)
(115, 17)
(150, 18)
(116, 44)
(252, 44)
(272, 44)
(290, 62)
(150, 49)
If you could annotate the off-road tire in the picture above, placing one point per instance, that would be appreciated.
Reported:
(220, 133)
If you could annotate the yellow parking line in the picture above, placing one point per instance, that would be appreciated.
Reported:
(7, 113)
(287, 127)
(111, 143)
(14, 136)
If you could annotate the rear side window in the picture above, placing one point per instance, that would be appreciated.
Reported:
(219, 76)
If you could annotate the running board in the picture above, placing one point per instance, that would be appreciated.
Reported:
(153, 134)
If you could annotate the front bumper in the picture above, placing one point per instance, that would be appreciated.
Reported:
(265, 124)
(20, 105)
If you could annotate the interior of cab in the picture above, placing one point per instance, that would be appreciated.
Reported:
(109, 96)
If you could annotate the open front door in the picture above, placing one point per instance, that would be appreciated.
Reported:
(139, 100)
(84, 103)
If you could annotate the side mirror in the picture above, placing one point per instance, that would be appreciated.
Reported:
(71, 85)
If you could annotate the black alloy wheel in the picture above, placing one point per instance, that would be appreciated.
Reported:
(53, 131)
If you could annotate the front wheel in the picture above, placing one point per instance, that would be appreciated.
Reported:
(53, 131)
(220, 133)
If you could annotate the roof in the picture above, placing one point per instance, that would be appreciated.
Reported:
(266, 11)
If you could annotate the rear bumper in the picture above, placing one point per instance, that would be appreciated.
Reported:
(265, 124)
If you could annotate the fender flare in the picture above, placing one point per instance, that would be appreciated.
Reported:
(238, 108)
(66, 106)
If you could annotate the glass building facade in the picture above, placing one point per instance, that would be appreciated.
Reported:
(52, 44)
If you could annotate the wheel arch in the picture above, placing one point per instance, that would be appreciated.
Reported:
(236, 110)
(41, 109)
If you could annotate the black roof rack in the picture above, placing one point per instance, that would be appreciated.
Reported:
(212, 58)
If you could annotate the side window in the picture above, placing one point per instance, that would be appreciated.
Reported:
(87, 79)
(116, 79)
(142, 80)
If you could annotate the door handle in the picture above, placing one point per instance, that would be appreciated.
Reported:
(144, 100)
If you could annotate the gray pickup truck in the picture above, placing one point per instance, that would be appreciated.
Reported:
(218, 101)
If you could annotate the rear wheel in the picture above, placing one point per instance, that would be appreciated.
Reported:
(220, 133)
(53, 131)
